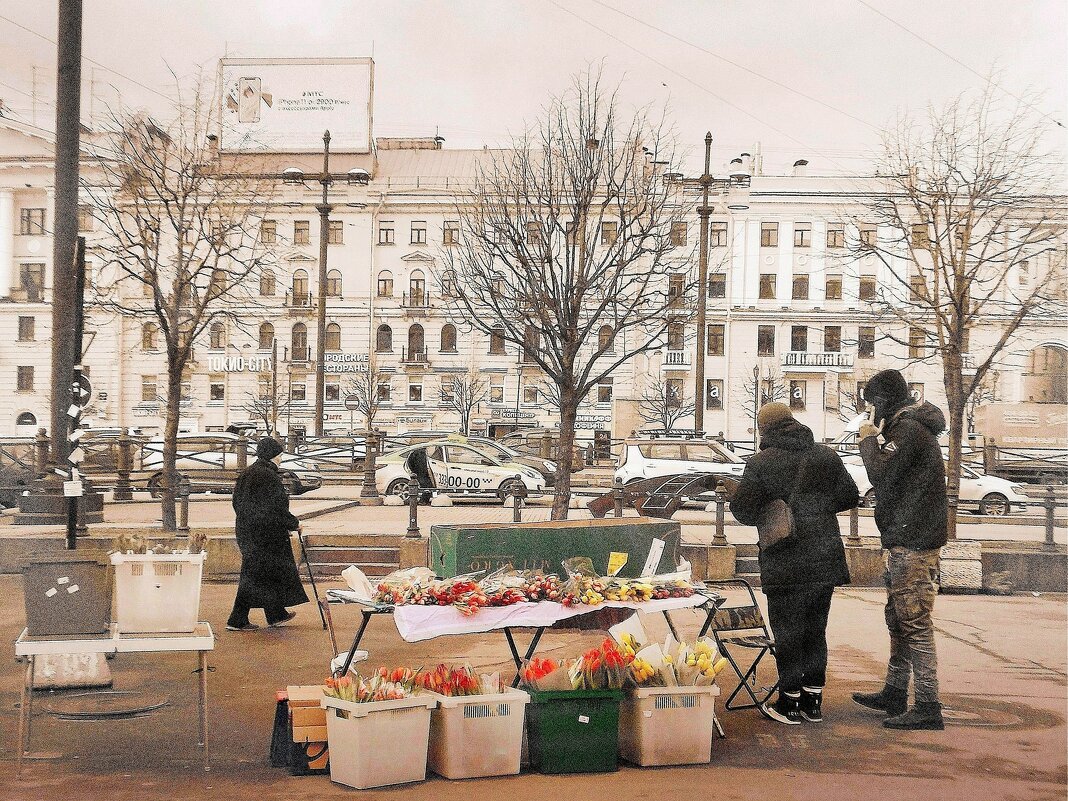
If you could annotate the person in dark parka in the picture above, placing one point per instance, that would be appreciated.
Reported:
(798, 574)
(909, 478)
(269, 577)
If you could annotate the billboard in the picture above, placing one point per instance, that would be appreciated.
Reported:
(284, 105)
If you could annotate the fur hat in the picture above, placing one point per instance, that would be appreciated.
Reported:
(268, 448)
(890, 385)
(771, 414)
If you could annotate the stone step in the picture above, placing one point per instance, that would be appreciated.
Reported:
(373, 570)
(752, 578)
(747, 550)
(354, 555)
(352, 540)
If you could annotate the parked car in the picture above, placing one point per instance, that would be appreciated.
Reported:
(530, 441)
(649, 458)
(458, 466)
(982, 494)
(490, 447)
(210, 463)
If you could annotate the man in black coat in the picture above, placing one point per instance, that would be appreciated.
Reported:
(798, 574)
(269, 577)
(909, 479)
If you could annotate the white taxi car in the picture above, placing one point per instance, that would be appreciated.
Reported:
(456, 466)
(649, 458)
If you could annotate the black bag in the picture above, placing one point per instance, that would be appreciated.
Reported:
(301, 759)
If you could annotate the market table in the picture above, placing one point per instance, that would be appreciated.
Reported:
(201, 640)
(416, 623)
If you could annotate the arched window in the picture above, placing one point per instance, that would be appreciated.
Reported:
(266, 336)
(299, 342)
(217, 283)
(417, 288)
(448, 338)
(416, 342)
(149, 331)
(217, 335)
(606, 339)
(676, 336)
(333, 337)
(333, 283)
(384, 339)
(385, 284)
(300, 286)
(267, 285)
(26, 419)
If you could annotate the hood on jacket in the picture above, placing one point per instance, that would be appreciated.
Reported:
(887, 392)
(926, 414)
(789, 435)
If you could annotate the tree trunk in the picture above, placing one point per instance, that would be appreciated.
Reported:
(170, 449)
(566, 454)
(955, 401)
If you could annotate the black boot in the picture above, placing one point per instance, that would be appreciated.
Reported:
(787, 709)
(893, 701)
(925, 716)
(812, 704)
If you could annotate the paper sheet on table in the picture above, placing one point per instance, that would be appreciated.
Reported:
(416, 623)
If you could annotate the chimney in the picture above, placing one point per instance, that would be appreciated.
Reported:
(800, 168)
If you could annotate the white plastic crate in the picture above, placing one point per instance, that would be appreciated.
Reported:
(477, 735)
(379, 743)
(157, 592)
(667, 725)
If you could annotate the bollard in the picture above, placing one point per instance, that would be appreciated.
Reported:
(414, 491)
(40, 452)
(369, 489)
(242, 453)
(720, 536)
(1050, 503)
(990, 456)
(617, 496)
(123, 464)
(183, 503)
(854, 526)
(519, 492)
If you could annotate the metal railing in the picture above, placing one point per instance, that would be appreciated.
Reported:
(677, 358)
(414, 356)
(818, 358)
(298, 300)
(415, 300)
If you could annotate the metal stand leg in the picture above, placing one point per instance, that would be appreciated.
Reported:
(25, 713)
(203, 660)
(671, 627)
(355, 644)
(311, 577)
(324, 610)
(519, 660)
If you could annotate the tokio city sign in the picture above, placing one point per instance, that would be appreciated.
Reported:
(239, 364)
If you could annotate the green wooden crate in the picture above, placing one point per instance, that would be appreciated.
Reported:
(458, 549)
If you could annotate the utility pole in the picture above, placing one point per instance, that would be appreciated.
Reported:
(320, 340)
(702, 294)
(66, 305)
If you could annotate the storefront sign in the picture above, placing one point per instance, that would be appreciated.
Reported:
(239, 364)
(593, 420)
(146, 410)
(345, 362)
(511, 414)
(408, 421)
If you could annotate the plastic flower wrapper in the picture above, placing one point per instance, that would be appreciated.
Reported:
(453, 681)
(378, 687)
(545, 675)
(661, 663)
(630, 633)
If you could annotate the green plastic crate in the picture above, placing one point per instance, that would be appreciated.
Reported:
(574, 732)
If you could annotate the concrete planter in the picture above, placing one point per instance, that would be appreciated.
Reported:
(961, 567)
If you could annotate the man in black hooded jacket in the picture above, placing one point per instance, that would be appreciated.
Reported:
(909, 479)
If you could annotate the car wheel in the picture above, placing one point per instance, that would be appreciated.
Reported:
(504, 492)
(155, 486)
(994, 504)
(868, 501)
(399, 487)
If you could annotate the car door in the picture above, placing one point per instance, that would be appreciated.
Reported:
(663, 459)
(471, 471)
(437, 462)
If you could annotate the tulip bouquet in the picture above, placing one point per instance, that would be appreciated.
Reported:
(457, 681)
(606, 667)
(383, 685)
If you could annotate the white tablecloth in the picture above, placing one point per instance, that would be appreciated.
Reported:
(416, 623)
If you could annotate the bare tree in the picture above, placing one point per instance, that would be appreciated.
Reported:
(179, 237)
(664, 404)
(985, 392)
(567, 244)
(365, 388)
(462, 394)
(772, 388)
(266, 408)
(970, 228)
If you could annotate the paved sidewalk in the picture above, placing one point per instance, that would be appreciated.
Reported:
(1003, 673)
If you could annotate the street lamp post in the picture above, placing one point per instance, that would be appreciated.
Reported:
(324, 242)
(702, 293)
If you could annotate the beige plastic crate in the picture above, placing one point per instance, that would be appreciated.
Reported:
(667, 725)
(379, 743)
(157, 592)
(477, 735)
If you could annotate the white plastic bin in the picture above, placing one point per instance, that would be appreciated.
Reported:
(477, 735)
(667, 725)
(157, 592)
(379, 743)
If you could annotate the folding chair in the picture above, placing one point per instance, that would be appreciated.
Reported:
(744, 623)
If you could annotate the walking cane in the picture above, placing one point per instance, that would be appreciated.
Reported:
(311, 576)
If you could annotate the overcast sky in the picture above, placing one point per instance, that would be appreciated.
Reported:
(475, 70)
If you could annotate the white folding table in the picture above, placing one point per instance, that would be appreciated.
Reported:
(27, 648)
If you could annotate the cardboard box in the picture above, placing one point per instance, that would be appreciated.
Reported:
(309, 734)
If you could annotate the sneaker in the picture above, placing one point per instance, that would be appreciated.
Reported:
(786, 709)
(246, 627)
(893, 701)
(922, 717)
(289, 616)
(811, 706)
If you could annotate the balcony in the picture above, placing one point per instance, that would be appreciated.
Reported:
(416, 303)
(415, 357)
(300, 301)
(817, 361)
(300, 354)
(675, 360)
